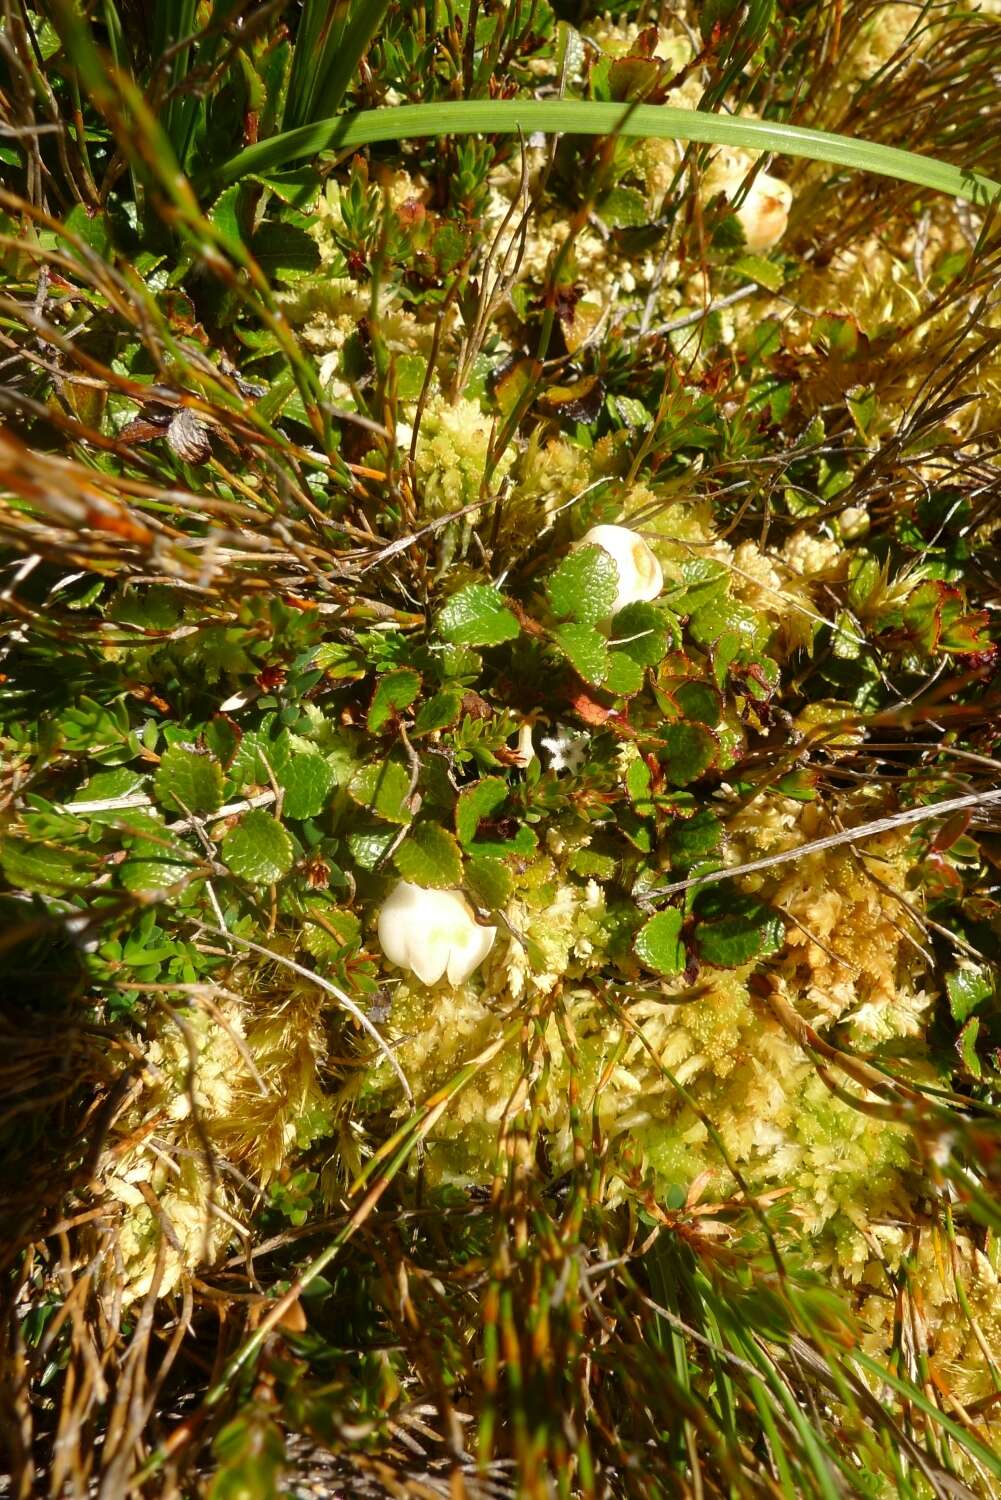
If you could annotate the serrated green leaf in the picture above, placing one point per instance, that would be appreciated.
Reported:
(157, 861)
(307, 781)
(429, 856)
(394, 691)
(370, 844)
(658, 943)
(586, 651)
(383, 788)
(641, 632)
(690, 840)
(258, 849)
(333, 929)
(623, 208)
(765, 272)
(438, 712)
(735, 929)
(477, 802)
(638, 786)
(188, 781)
(700, 701)
(477, 616)
(489, 881)
(690, 750)
(584, 586)
(725, 616)
(624, 676)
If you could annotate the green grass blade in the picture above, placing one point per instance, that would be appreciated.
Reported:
(913, 1393)
(331, 43)
(581, 117)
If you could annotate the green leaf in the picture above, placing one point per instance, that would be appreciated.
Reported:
(584, 586)
(370, 844)
(438, 712)
(224, 215)
(623, 208)
(258, 849)
(641, 632)
(735, 929)
(307, 781)
(690, 751)
(967, 1047)
(394, 691)
(658, 943)
(477, 616)
(638, 786)
(334, 930)
(157, 861)
(489, 881)
(477, 802)
(625, 676)
(429, 856)
(765, 272)
(92, 228)
(588, 117)
(968, 988)
(725, 616)
(699, 837)
(188, 781)
(285, 251)
(298, 188)
(383, 787)
(44, 868)
(586, 651)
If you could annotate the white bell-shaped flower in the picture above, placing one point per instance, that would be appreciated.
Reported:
(432, 933)
(763, 210)
(640, 575)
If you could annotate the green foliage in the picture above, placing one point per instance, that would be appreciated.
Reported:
(584, 585)
(258, 849)
(658, 945)
(306, 779)
(429, 856)
(384, 788)
(188, 781)
(395, 691)
(734, 929)
(477, 616)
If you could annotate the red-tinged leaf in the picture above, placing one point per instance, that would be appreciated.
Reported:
(952, 829)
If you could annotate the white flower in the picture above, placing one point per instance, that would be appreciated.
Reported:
(567, 748)
(640, 576)
(525, 750)
(763, 211)
(432, 933)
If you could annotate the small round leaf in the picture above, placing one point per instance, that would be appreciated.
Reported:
(658, 943)
(258, 849)
(429, 856)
